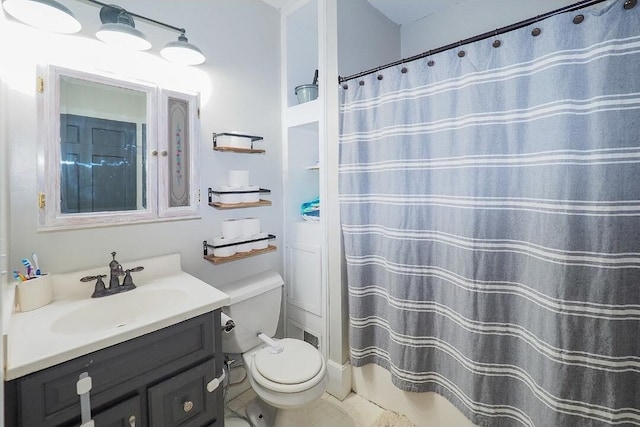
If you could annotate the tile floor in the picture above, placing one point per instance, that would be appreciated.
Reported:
(353, 411)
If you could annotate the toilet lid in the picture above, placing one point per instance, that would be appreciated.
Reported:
(297, 363)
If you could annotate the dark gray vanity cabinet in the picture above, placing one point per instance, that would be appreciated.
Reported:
(157, 380)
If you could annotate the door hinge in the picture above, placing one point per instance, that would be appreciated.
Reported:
(198, 112)
(40, 85)
(41, 200)
(198, 196)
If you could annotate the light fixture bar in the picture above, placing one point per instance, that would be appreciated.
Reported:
(162, 24)
(180, 51)
(118, 27)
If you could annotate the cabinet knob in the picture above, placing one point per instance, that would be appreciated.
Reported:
(132, 421)
(187, 406)
(154, 153)
(164, 153)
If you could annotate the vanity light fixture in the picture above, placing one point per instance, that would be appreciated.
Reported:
(182, 52)
(44, 14)
(119, 29)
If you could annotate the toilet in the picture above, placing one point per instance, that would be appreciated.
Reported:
(284, 373)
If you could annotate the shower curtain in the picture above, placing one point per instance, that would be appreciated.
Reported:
(490, 208)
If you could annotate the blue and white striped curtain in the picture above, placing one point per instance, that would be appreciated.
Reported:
(490, 206)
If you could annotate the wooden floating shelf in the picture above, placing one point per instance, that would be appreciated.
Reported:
(240, 255)
(251, 150)
(259, 203)
(240, 150)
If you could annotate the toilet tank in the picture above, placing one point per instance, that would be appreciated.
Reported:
(254, 307)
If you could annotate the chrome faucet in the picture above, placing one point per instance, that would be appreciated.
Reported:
(115, 287)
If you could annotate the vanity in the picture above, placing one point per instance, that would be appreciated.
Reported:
(150, 356)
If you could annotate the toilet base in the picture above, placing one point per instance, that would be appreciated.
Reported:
(260, 413)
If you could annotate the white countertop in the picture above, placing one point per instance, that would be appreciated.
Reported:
(36, 340)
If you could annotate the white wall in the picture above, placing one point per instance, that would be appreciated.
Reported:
(239, 87)
(470, 18)
(461, 21)
(366, 38)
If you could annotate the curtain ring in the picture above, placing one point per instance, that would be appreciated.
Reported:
(380, 77)
(578, 19)
(431, 63)
(461, 53)
(404, 70)
(536, 32)
(496, 43)
(361, 82)
(345, 86)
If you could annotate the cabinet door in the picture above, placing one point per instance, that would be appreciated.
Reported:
(124, 414)
(183, 400)
(178, 143)
(304, 277)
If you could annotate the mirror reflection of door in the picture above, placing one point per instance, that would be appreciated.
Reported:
(98, 167)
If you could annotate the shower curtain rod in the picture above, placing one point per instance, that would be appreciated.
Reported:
(628, 4)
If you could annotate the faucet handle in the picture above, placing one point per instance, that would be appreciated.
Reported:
(127, 283)
(99, 289)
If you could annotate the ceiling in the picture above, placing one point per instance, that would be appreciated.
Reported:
(399, 11)
(406, 11)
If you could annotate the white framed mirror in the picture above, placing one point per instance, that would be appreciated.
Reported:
(114, 151)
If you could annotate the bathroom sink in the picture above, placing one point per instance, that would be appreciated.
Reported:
(116, 311)
(74, 324)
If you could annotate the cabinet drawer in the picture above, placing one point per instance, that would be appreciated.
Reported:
(124, 414)
(184, 400)
(48, 398)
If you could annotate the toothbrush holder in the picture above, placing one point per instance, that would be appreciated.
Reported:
(35, 293)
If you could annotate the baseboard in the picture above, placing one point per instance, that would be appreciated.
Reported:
(339, 384)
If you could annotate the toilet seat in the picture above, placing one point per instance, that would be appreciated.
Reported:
(299, 367)
(285, 367)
